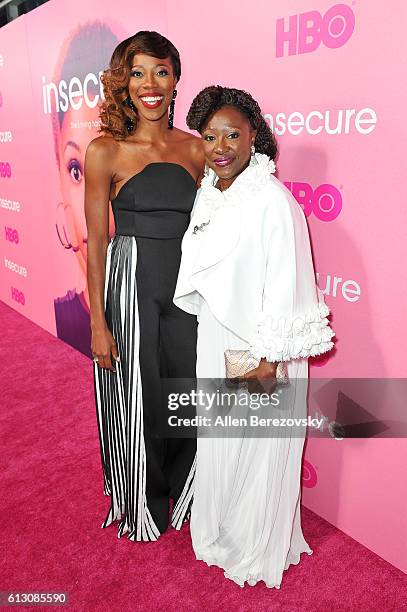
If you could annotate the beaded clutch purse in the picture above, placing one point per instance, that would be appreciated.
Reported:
(238, 363)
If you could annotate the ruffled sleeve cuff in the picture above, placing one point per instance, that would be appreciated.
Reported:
(283, 339)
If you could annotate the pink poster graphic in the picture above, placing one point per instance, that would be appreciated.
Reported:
(71, 100)
(45, 238)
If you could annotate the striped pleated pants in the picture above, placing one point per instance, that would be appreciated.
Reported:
(154, 338)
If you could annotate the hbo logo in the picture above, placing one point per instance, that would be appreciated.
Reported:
(325, 201)
(5, 170)
(306, 31)
(309, 475)
(11, 234)
(17, 296)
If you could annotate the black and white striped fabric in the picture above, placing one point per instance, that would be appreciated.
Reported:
(182, 509)
(119, 402)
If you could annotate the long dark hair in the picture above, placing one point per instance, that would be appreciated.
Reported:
(115, 114)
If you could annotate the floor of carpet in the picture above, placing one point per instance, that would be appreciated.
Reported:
(53, 507)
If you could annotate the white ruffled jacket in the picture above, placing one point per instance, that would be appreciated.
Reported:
(247, 254)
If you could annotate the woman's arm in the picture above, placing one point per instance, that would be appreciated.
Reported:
(292, 322)
(98, 177)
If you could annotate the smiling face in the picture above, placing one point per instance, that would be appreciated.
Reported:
(227, 138)
(72, 144)
(151, 86)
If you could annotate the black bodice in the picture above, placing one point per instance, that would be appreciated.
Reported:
(156, 202)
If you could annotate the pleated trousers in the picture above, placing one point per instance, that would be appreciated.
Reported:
(142, 470)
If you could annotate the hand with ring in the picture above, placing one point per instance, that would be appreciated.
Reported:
(104, 348)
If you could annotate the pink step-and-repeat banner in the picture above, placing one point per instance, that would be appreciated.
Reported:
(330, 78)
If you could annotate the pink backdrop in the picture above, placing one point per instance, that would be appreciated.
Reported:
(328, 78)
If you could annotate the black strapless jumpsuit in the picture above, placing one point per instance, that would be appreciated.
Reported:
(155, 339)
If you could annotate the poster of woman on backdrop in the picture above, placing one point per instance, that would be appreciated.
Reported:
(84, 54)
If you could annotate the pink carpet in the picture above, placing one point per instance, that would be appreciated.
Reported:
(53, 505)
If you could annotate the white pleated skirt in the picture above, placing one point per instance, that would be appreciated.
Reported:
(245, 516)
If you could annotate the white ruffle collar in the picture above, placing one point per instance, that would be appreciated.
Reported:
(253, 178)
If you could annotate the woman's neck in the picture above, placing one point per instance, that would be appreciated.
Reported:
(152, 132)
(223, 184)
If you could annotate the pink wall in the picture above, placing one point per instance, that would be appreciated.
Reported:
(349, 183)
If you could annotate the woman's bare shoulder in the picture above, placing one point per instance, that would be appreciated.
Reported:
(186, 137)
(103, 147)
(101, 158)
(193, 144)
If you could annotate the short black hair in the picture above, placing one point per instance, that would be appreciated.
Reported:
(212, 98)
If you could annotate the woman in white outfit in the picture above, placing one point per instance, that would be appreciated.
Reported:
(247, 273)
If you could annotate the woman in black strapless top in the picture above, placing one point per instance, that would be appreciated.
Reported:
(149, 170)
